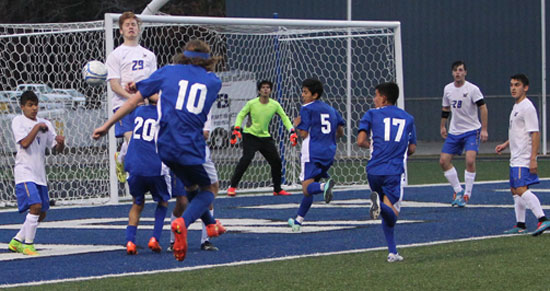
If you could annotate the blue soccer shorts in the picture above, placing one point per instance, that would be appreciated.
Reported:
(314, 170)
(178, 188)
(520, 176)
(124, 125)
(456, 144)
(389, 186)
(200, 175)
(29, 193)
(159, 186)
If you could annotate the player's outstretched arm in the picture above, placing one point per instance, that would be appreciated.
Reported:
(126, 108)
(27, 141)
(484, 114)
(499, 148)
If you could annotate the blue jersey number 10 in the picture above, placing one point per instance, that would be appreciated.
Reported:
(388, 122)
(191, 98)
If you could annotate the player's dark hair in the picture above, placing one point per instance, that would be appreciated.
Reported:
(522, 78)
(457, 64)
(198, 46)
(263, 82)
(128, 15)
(314, 86)
(28, 96)
(390, 90)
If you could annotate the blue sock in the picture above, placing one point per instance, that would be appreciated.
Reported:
(160, 214)
(314, 188)
(207, 218)
(387, 213)
(131, 233)
(388, 233)
(197, 207)
(305, 205)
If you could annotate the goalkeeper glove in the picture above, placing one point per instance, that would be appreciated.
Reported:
(236, 134)
(293, 137)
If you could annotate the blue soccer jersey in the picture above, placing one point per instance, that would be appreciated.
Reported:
(142, 158)
(392, 131)
(187, 93)
(321, 121)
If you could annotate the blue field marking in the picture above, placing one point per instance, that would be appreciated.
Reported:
(257, 231)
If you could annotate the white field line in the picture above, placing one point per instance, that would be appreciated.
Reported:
(240, 263)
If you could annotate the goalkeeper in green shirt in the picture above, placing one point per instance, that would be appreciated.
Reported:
(256, 136)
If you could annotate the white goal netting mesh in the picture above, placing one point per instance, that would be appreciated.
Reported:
(54, 54)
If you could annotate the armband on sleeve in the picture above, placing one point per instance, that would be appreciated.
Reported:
(480, 102)
(445, 114)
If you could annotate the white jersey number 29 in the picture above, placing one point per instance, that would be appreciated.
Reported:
(196, 89)
(388, 122)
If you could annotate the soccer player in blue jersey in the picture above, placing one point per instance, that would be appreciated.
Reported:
(318, 125)
(187, 91)
(393, 137)
(147, 174)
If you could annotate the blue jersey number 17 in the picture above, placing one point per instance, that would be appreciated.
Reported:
(388, 122)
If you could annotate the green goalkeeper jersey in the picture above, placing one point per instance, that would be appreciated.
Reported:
(260, 116)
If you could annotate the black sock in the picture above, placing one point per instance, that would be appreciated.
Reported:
(543, 219)
(521, 225)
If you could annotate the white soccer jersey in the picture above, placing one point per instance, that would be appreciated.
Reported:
(523, 121)
(462, 101)
(129, 64)
(30, 163)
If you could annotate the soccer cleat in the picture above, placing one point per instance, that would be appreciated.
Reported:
(515, 230)
(29, 250)
(392, 258)
(120, 173)
(327, 192)
(170, 248)
(461, 202)
(541, 227)
(154, 245)
(375, 205)
(456, 198)
(215, 230)
(15, 246)
(296, 227)
(180, 233)
(131, 248)
(208, 246)
(232, 191)
(281, 193)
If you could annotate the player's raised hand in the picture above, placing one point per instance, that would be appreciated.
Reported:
(236, 134)
(293, 137)
(100, 131)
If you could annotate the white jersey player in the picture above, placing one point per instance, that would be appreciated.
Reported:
(128, 63)
(32, 136)
(462, 99)
(524, 141)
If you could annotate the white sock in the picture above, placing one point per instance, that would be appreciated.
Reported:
(30, 225)
(172, 237)
(204, 234)
(452, 177)
(469, 179)
(299, 219)
(20, 236)
(519, 208)
(123, 151)
(532, 202)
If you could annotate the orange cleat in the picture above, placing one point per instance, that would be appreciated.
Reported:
(232, 191)
(281, 193)
(180, 233)
(131, 248)
(154, 245)
(215, 230)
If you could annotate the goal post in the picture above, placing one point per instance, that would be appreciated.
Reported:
(349, 57)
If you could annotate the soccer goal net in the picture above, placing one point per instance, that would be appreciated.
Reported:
(349, 57)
